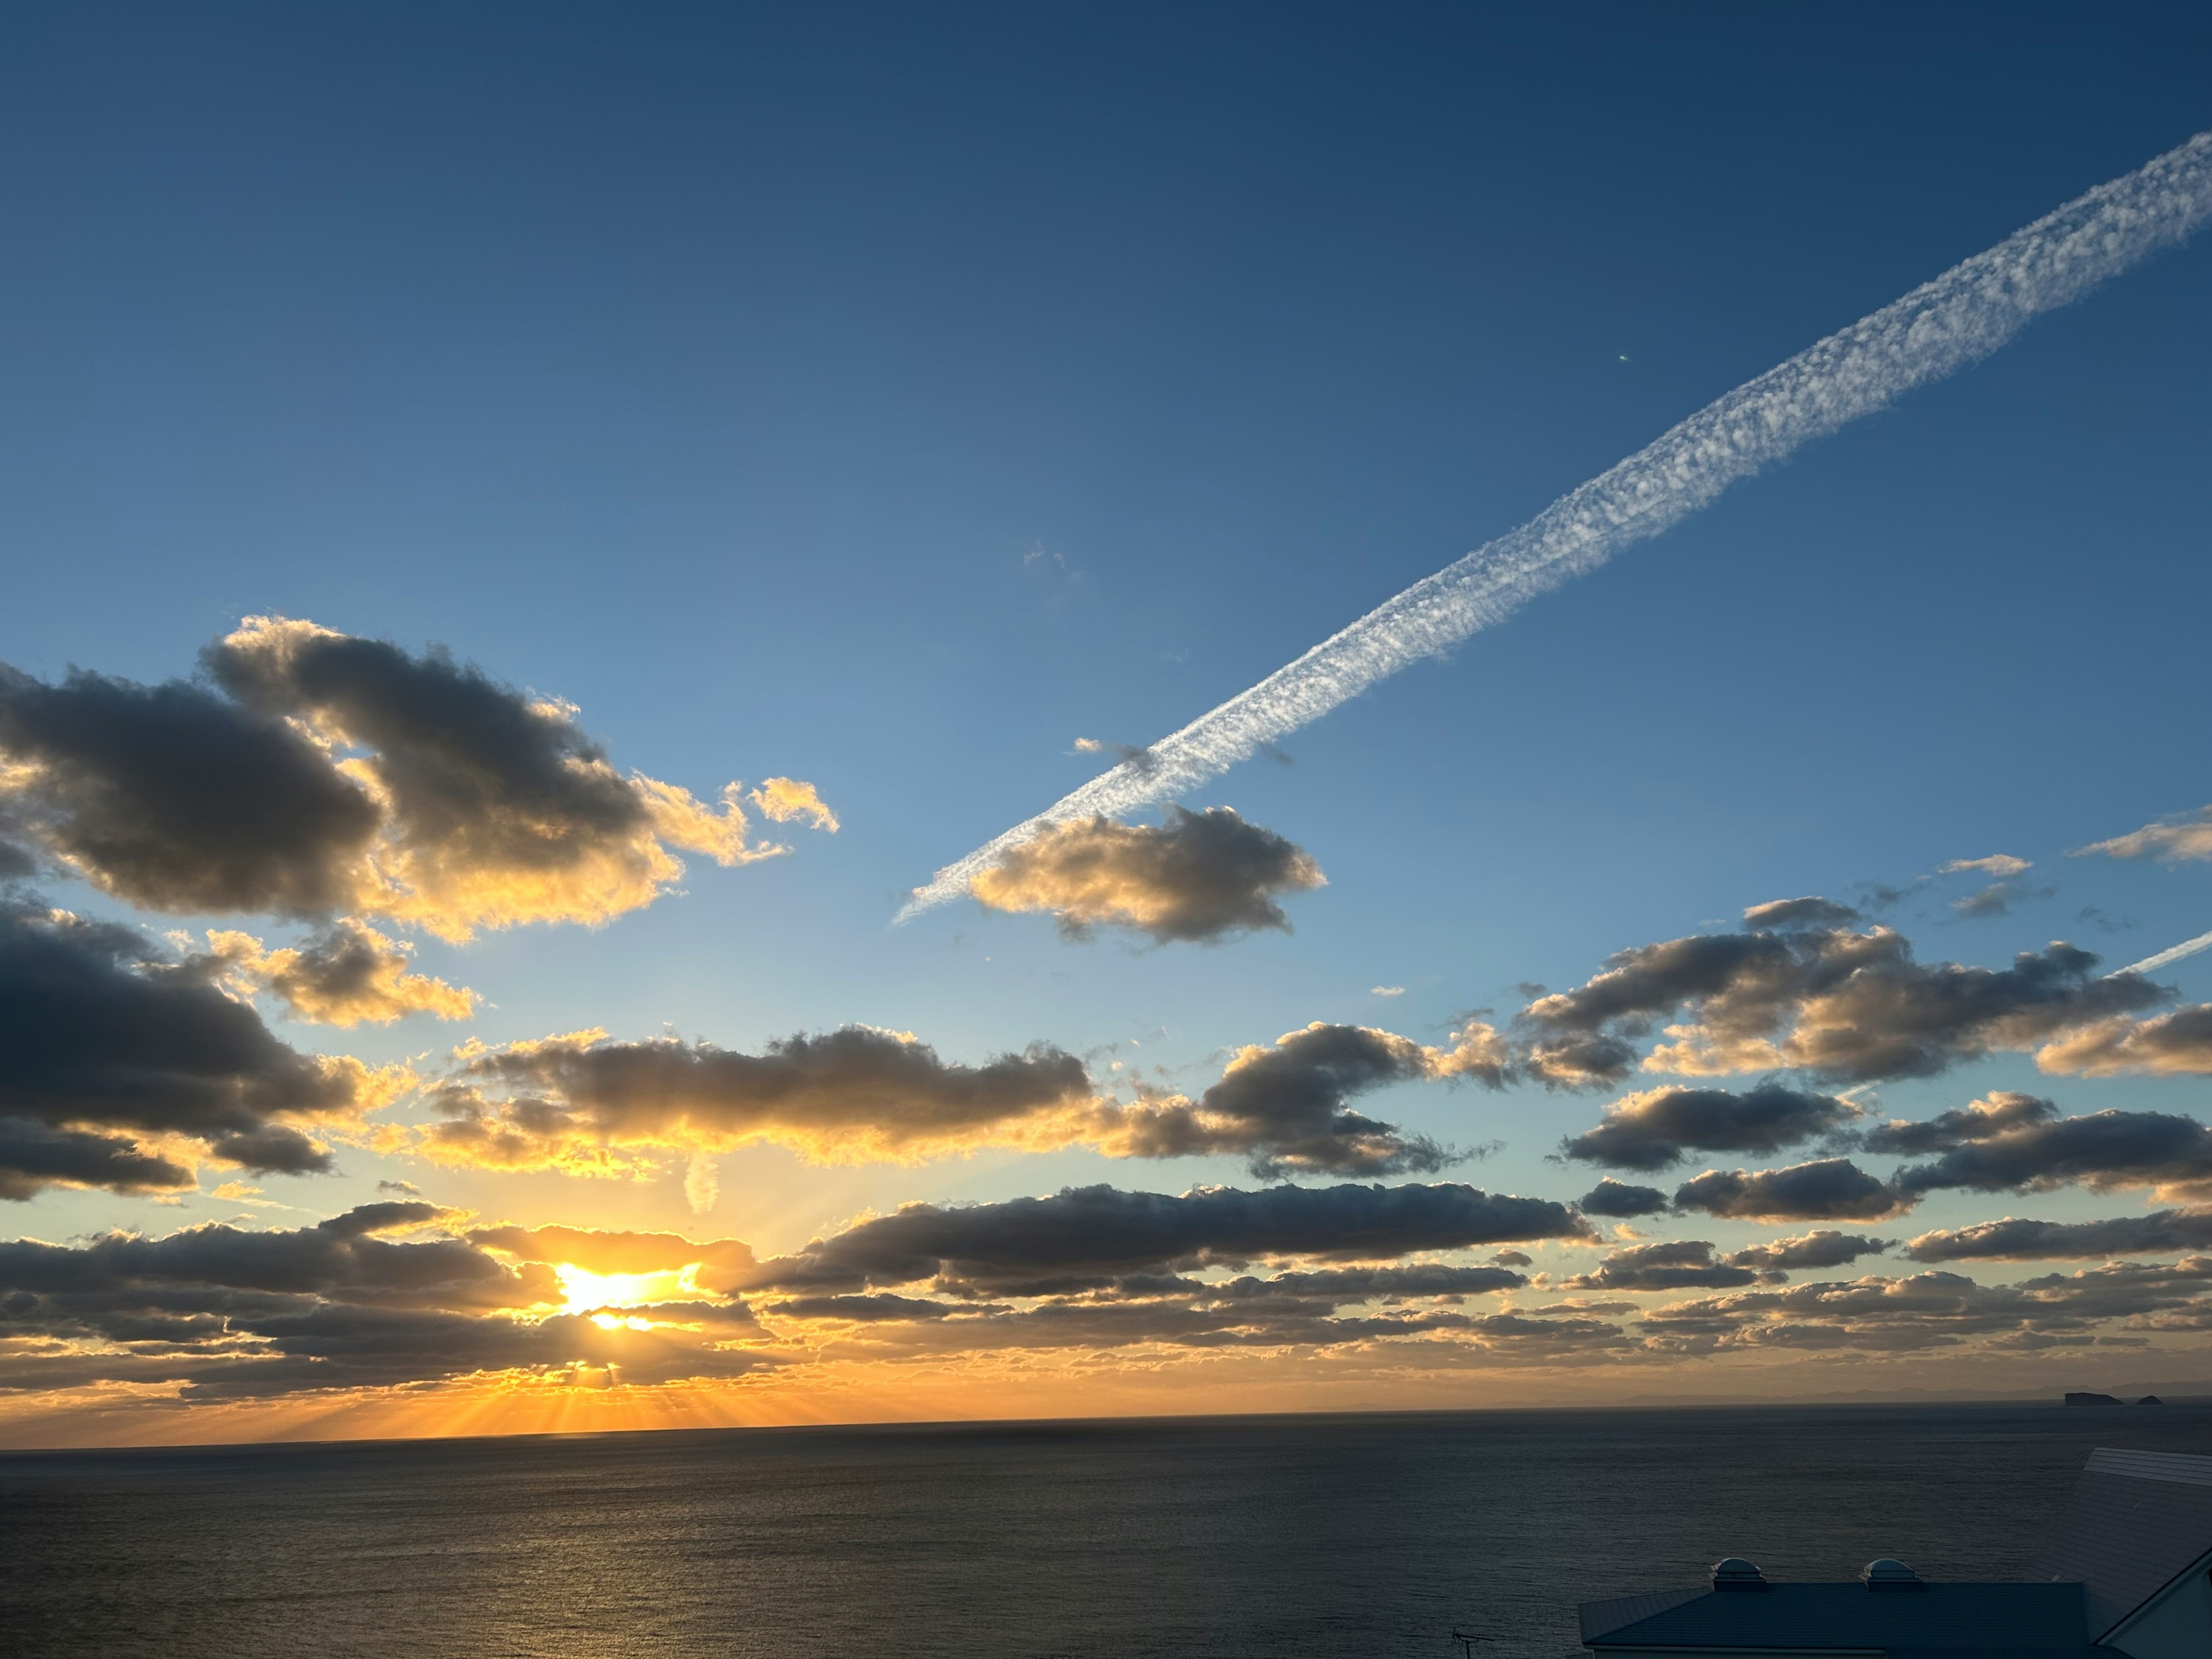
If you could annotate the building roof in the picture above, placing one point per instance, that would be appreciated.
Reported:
(2012, 1620)
(2138, 1521)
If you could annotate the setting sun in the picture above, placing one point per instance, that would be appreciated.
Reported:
(588, 1292)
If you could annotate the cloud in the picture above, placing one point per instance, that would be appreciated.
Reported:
(1829, 1190)
(173, 798)
(1847, 1006)
(1684, 1264)
(318, 773)
(591, 1106)
(1285, 1107)
(1821, 1248)
(2010, 1142)
(848, 1096)
(2169, 1045)
(347, 975)
(1197, 877)
(787, 800)
(118, 1068)
(1653, 1130)
(2014, 1240)
(721, 1265)
(1808, 912)
(1938, 328)
(2170, 839)
(1086, 1234)
(1386, 991)
(235, 1313)
(1994, 900)
(1618, 1199)
(1999, 865)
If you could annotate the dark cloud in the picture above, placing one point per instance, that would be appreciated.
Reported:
(848, 1094)
(103, 1043)
(1823, 1249)
(174, 799)
(1998, 1113)
(1101, 1232)
(881, 1305)
(1808, 912)
(1197, 877)
(1653, 1130)
(1829, 1190)
(33, 1157)
(1618, 1199)
(1299, 1308)
(1285, 1107)
(2011, 1142)
(2178, 1044)
(229, 1313)
(2013, 1240)
(1684, 1264)
(315, 774)
(1938, 1309)
(859, 1093)
(1851, 1007)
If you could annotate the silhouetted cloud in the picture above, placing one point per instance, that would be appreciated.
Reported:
(229, 1313)
(1829, 1190)
(1285, 1107)
(2178, 1044)
(1197, 877)
(319, 773)
(2010, 1142)
(1683, 1264)
(1653, 1130)
(1098, 1232)
(588, 1105)
(106, 1045)
(851, 1095)
(1819, 1249)
(1618, 1199)
(1937, 1309)
(175, 799)
(2189, 836)
(2016, 1240)
(1850, 1006)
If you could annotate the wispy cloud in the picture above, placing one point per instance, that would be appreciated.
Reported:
(1959, 318)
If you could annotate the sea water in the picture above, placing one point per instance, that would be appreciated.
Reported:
(1291, 1536)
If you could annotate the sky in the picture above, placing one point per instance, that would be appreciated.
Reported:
(532, 531)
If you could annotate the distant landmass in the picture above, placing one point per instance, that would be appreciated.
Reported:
(2109, 1399)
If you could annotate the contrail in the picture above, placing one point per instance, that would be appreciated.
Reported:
(1940, 327)
(2188, 947)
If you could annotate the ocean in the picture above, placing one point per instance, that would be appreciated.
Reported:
(1320, 1535)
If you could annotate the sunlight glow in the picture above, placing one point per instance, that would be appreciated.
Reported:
(588, 1292)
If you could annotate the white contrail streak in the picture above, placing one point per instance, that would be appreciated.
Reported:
(2188, 947)
(1942, 326)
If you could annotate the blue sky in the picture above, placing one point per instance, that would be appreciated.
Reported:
(888, 399)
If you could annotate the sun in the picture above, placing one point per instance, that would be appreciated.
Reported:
(594, 1293)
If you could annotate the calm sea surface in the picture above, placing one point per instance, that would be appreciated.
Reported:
(1289, 1536)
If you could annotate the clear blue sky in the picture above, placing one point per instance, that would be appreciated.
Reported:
(887, 396)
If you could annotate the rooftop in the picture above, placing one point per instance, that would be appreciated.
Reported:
(2011, 1619)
